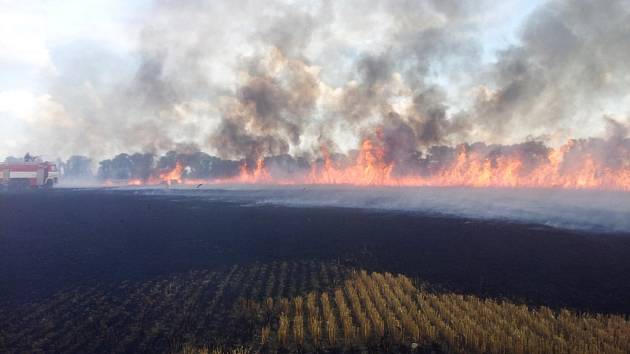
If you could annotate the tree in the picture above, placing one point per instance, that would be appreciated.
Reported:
(78, 167)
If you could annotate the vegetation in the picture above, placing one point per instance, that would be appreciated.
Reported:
(302, 306)
(204, 308)
(385, 312)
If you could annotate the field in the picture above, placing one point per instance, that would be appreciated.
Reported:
(118, 271)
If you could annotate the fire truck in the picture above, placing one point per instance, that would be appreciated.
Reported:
(30, 172)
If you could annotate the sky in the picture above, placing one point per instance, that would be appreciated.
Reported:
(102, 77)
(32, 33)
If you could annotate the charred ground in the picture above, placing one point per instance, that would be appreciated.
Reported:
(99, 241)
(63, 238)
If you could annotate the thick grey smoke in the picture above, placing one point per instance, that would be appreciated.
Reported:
(573, 60)
(269, 112)
(245, 80)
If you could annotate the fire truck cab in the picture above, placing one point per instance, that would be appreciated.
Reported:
(29, 173)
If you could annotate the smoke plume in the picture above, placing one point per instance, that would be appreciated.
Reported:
(247, 80)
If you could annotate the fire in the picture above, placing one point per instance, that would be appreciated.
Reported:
(258, 175)
(569, 166)
(135, 182)
(469, 168)
(368, 169)
(169, 177)
(173, 176)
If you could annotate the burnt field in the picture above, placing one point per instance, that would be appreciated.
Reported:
(117, 245)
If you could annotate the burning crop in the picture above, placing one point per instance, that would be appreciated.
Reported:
(578, 164)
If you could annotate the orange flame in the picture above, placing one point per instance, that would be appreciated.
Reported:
(172, 176)
(469, 169)
(369, 168)
(135, 182)
(259, 175)
(565, 167)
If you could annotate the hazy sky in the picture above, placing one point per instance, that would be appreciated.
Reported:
(70, 71)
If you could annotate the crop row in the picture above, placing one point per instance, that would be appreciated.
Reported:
(159, 314)
(296, 306)
(384, 312)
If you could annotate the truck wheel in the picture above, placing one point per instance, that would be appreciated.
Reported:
(48, 184)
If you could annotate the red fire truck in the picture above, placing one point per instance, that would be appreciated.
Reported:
(29, 173)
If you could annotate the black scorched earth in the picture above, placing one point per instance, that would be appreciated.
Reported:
(117, 271)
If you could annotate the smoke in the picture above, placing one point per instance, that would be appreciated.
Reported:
(590, 211)
(577, 210)
(270, 110)
(616, 130)
(571, 63)
(244, 80)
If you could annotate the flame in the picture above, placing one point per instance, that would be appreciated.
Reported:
(569, 166)
(259, 175)
(173, 176)
(369, 168)
(135, 182)
(469, 168)
(168, 177)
